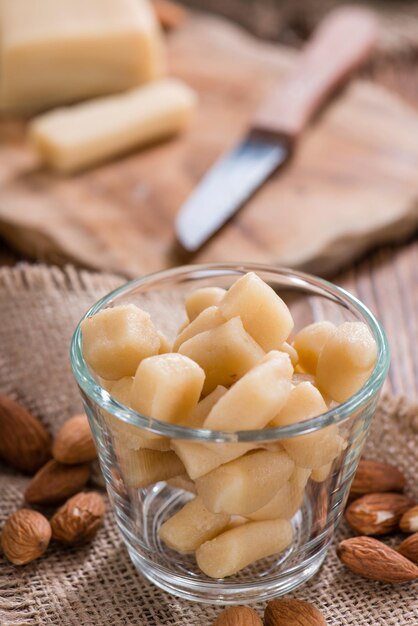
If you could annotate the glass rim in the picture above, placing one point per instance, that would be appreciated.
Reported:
(95, 392)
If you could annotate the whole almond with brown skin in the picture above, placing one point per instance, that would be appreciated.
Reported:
(373, 559)
(56, 482)
(291, 612)
(238, 616)
(24, 442)
(74, 443)
(79, 519)
(409, 548)
(25, 536)
(375, 477)
(409, 521)
(377, 513)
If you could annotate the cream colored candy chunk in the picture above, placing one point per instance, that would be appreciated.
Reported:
(121, 390)
(256, 398)
(244, 485)
(201, 299)
(298, 378)
(106, 384)
(79, 136)
(200, 458)
(264, 314)
(346, 361)
(144, 467)
(234, 549)
(287, 500)
(182, 482)
(204, 407)
(130, 435)
(288, 349)
(314, 449)
(192, 526)
(126, 433)
(54, 52)
(225, 353)
(235, 521)
(309, 342)
(164, 344)
(206, 320)
(322, 473)
(116, 340)
(167, 387)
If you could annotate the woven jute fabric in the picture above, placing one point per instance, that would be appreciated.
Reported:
(97, 584)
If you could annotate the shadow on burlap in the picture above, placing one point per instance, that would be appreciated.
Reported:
(97, 584)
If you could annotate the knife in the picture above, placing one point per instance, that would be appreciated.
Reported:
(343, 41)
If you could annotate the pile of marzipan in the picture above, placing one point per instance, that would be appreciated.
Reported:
(233, 366)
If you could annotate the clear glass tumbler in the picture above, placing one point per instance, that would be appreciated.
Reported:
(144, 494)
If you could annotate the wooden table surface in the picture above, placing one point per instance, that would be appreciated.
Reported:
(387, 278)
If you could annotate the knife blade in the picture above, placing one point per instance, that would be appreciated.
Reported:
(342, 42)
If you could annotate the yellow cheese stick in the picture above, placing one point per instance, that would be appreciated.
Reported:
(76, 137)
(56, 52)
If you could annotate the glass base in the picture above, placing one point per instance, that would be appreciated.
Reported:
(179, 575)
(222, 592)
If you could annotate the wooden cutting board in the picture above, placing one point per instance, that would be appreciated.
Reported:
(352, 183)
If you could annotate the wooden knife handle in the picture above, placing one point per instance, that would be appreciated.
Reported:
(342, 42)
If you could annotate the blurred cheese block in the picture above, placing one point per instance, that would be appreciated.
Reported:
(58, 51)
(75, 137)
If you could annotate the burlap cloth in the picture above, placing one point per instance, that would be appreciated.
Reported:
(97, 584)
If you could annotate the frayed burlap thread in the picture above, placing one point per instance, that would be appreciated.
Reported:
(97, 584)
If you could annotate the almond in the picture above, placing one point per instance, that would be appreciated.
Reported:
(409, 521)
(409, 548)
(79, 519)
(373, 559)
(291, 612)
(55, 482)
(24, 442)
(74, 442)
(377, 513)
(25, 536)
(375, 477)
(238, 616)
